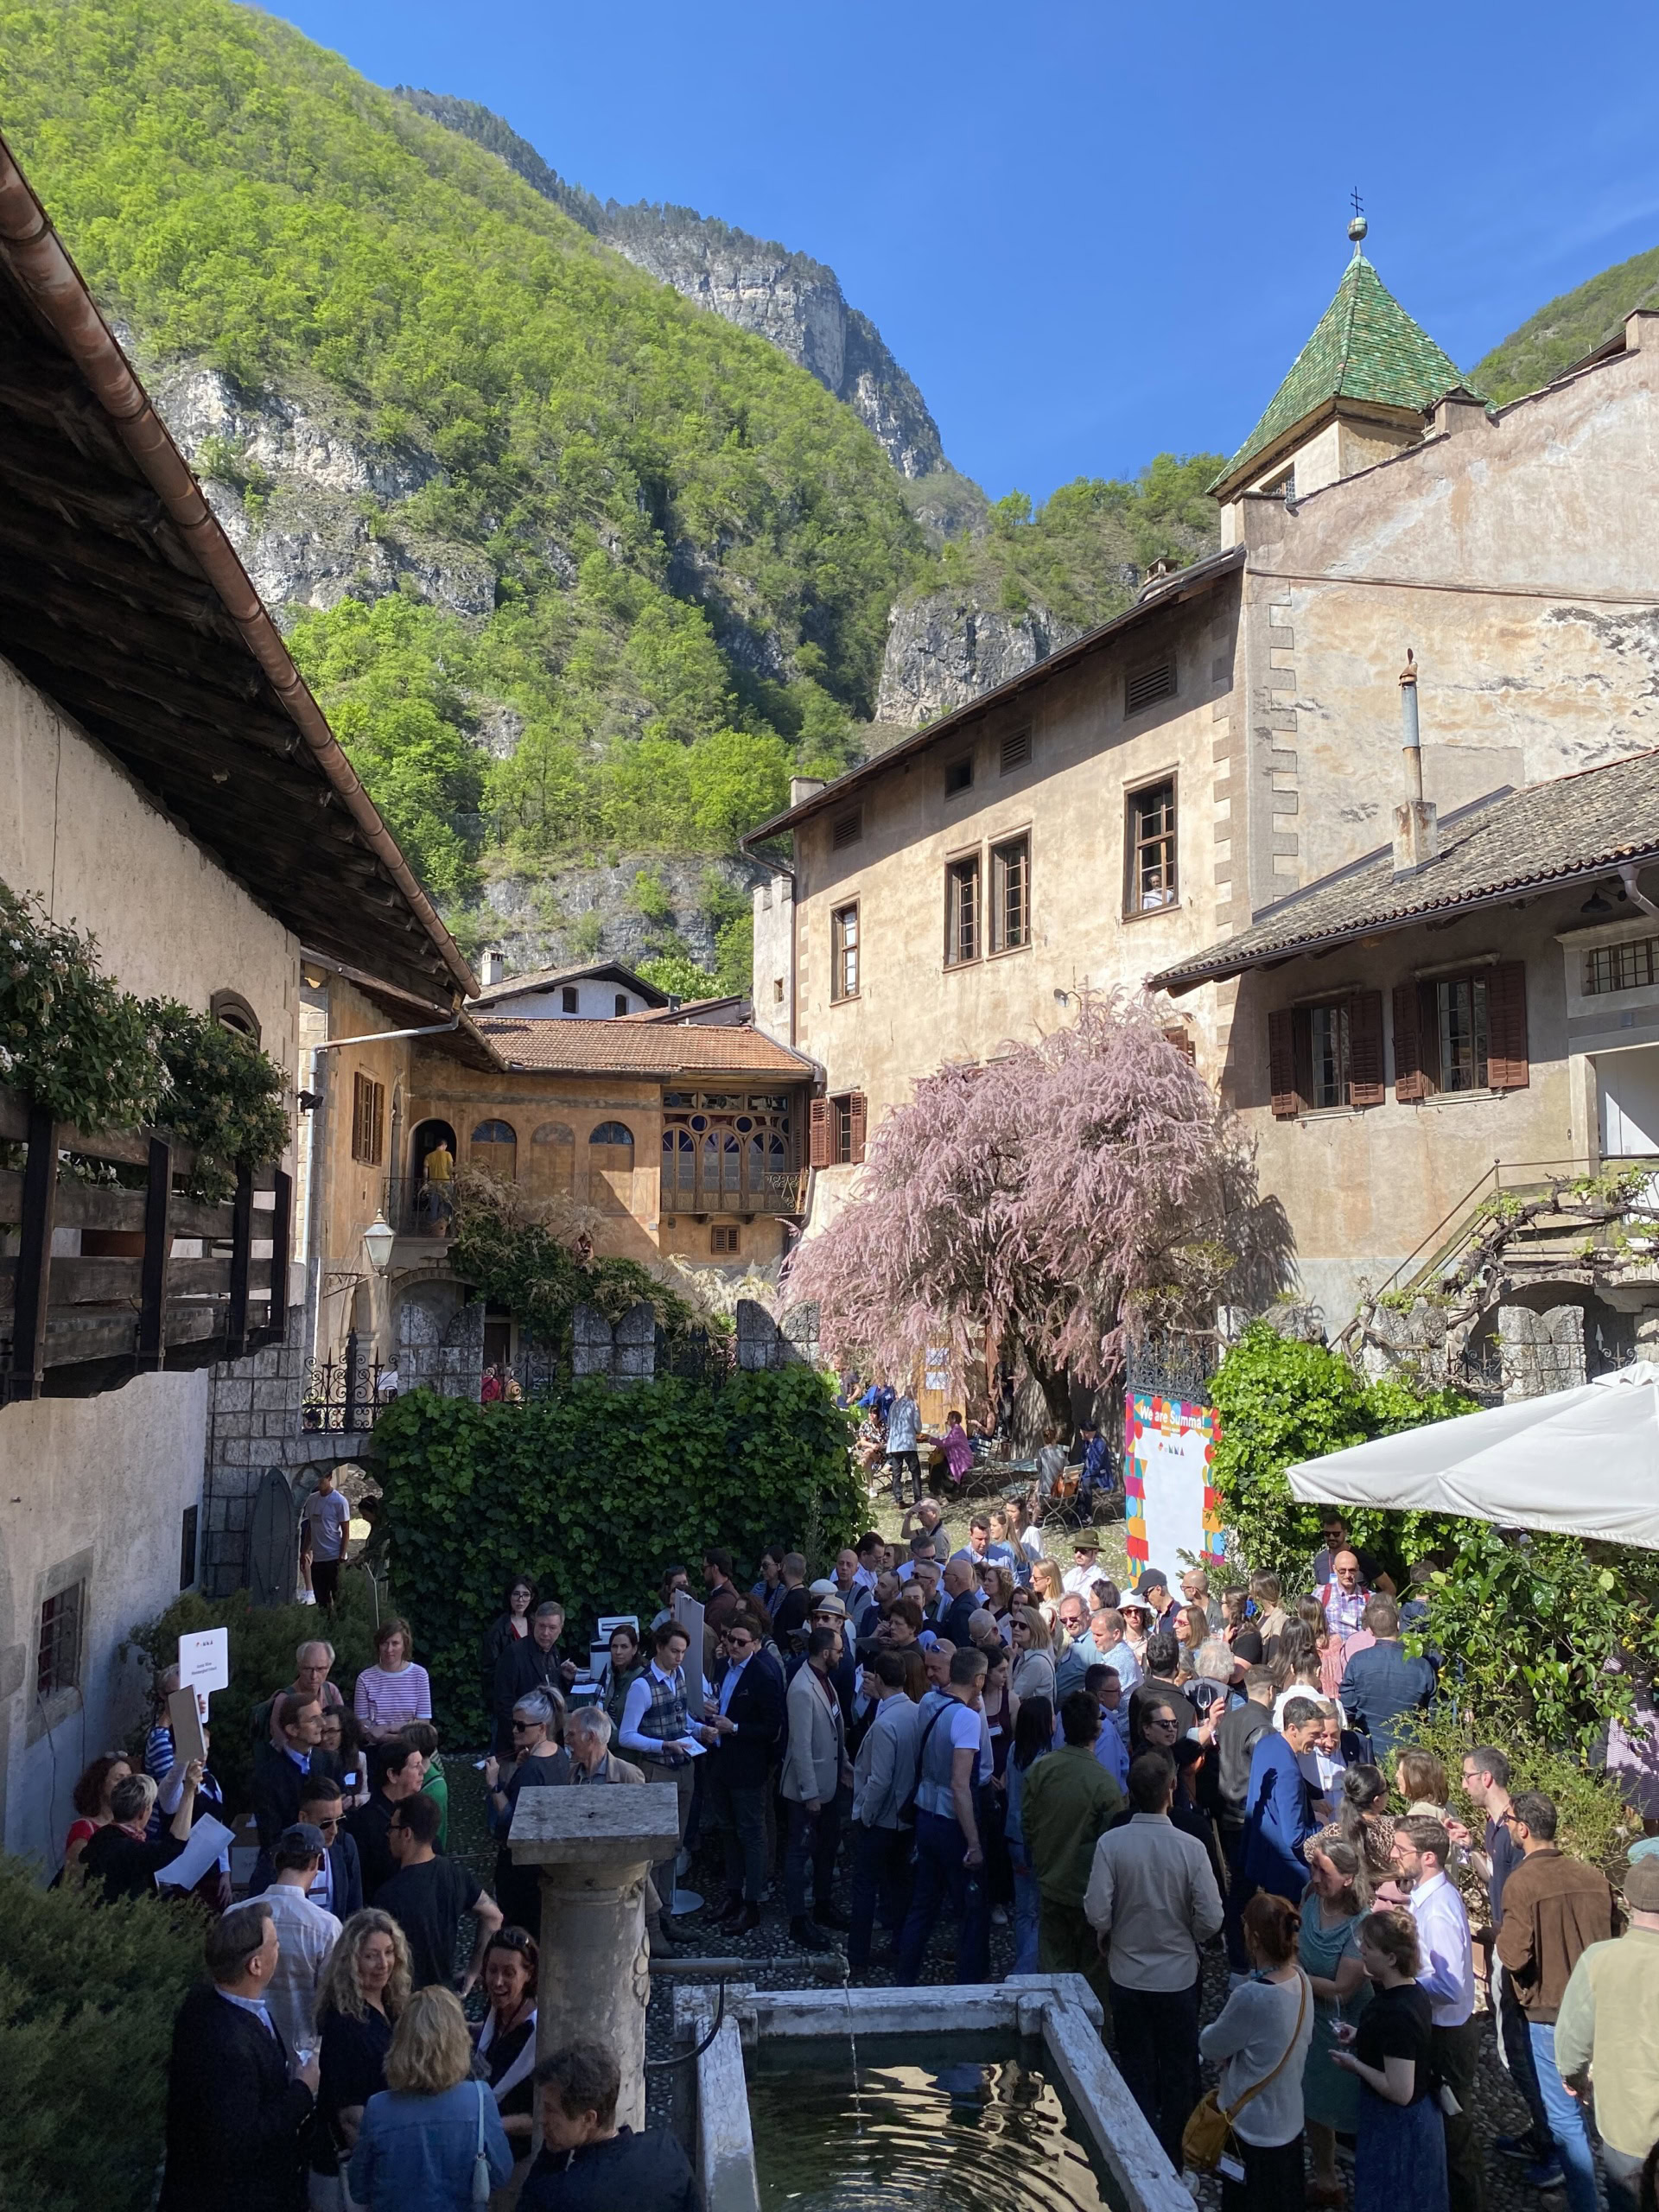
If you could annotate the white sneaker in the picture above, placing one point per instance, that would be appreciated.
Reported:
(999, 1915)
(308, 1597)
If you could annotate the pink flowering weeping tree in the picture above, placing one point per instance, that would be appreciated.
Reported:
(1068, 1195)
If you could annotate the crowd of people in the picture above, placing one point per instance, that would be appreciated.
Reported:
(979, 1733)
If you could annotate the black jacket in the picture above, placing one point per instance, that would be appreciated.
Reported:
(646, 2173)
(744, 1760)
(115, 1865)
(522, 1668)
(366, 1825)
(1237, 1733)
(345, 1869)
(953, 1623)
(276, 1786)
(237, 2129)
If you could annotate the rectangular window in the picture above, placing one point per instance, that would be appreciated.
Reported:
(621, 1003)
(1461, 1014)
(962, 911)
(1011, 895)
(1147, 685)
(1621, 966)
(368, 1120)
(777, 990)
(722, 1240)
(848, 828)
(57, 1664)
(1015, 753)
(569, 999)
(679, 1098)
(959, 777)
(843, 953)
(188, 1546)
(1328, 1057)
(1150, 848)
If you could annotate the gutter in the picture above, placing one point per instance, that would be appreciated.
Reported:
(60, 295)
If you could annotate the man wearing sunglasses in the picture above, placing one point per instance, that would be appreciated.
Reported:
(337, 1886)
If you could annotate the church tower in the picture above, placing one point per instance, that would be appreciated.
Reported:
(1361, 389)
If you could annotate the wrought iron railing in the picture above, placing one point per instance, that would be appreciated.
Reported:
(345, 1395)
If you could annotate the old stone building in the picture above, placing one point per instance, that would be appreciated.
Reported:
(1166, 782)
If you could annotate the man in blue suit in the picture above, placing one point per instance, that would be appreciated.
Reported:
(1279, 1805)
(1383, 1683)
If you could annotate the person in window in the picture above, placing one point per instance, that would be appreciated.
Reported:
(438, 1185)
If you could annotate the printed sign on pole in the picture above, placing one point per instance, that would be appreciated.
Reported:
(205, 1660)
(1171, 1507)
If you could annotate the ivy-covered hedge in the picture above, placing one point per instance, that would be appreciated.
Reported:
(593, 1492)
(1542, 1635)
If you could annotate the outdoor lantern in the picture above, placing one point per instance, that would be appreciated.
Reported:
(379, 1237)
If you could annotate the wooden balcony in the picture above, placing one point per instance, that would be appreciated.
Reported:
(774, 1190)
(170, 1283)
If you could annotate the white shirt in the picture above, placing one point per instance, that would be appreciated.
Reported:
(1448, 1976)
(1151, 1885)
(306, 1935)
(639, 1704)
(1079, 1581)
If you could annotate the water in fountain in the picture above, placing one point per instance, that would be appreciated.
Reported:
(971, 2126)
(852, 2046)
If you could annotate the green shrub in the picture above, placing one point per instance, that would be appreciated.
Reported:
(70, 1038)
(1595, 1823)
(263, 1640)
(86, 2004)
(593, 1492)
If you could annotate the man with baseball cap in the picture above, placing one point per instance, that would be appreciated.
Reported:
(305, 1932)
(1608, 2023)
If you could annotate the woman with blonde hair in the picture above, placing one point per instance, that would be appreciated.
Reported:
(365, 1986)
(1046, 1581)
(422, 2136)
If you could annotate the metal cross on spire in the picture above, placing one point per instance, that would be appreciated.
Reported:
(1358, 226)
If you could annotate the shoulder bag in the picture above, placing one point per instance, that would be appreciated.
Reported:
(481, 2183)
(908, 1809)
(1209, 2132)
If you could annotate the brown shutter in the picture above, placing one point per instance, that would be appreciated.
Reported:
(1409, 1083)
(1182, 1040)
(856, 1113)
(819, 1156)
(1428, 1035)
(1506, 1027)
(1282, 1062)
(1365, 1085)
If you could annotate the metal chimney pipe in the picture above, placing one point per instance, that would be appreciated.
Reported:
(1410, 742)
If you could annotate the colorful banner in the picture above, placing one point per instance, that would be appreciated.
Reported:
(1171, 1510)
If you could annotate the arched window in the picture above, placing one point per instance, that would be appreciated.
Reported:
(610, 1168)
(231, 1011)
(553, 1165)
(494, 1147)
(732, 1166)
(679, 1159)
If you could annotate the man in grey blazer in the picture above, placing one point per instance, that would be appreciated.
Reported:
(815, 1772)
(884, 1776)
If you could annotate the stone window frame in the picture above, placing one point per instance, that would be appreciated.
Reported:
(51, 1711)
(840, 945)
(1134, 841)
(1000, 847)
(962, 869)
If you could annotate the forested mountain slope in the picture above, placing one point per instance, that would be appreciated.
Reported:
(1568, 329)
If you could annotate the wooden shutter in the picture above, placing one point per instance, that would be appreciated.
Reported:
(819, 1154)
(857, 1116)
(1410, 1084)
(1506, 1027)
(1182, 1040)
(1365, 1084)
(1282, 1062)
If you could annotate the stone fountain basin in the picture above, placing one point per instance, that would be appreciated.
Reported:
(1057, 2013)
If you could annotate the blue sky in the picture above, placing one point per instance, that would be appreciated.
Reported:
(1089, 233)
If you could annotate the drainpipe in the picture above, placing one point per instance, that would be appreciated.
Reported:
(1628, 874)
(1416, 828)
(318, 1094)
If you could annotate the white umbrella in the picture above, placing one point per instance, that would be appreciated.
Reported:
(1584, 1461)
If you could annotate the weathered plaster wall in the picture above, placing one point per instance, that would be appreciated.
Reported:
(1515, 558)
(773, 983)
(912, 1013)
(75, 829)
(1363, 1188)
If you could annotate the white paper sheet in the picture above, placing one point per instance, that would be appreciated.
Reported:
(207, 1839)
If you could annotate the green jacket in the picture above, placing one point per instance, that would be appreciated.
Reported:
(436, 1787)
(1066, 1802)
(1609, 2021)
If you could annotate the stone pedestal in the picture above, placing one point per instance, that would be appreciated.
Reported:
(594, 1847)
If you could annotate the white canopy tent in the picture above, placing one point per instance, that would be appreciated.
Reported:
(1584, 1461)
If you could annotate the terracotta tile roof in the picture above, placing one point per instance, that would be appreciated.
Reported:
(628, 1047)
(1514, 844)
(1365, 346)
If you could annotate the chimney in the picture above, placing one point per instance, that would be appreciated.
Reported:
(1416, 828)
(495, 967)
(804, 787)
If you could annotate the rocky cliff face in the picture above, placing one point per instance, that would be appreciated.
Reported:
(578, 912)
(794, 302)
(310, 504)
(944, 650)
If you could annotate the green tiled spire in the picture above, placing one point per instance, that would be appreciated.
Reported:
(1366, 347)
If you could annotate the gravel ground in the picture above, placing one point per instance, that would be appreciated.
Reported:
(767, 1958)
